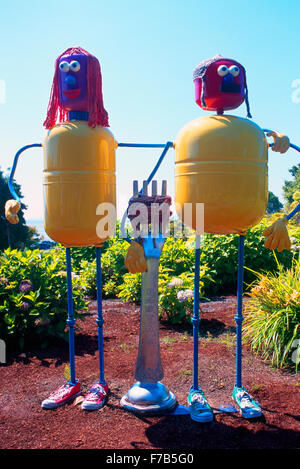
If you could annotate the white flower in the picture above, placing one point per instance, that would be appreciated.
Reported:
(189, 294)
(180, 296)
(183, 295)
(175, 282)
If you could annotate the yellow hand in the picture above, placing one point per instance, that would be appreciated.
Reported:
(277, 236)
(281, 142)
(11, 209)
(135, 260)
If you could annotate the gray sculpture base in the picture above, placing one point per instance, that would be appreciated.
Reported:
(149, 398)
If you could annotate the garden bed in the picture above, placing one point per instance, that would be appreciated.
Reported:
(29, 377)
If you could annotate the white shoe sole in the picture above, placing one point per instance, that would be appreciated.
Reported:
(243, 413)
(90, 406)
(48, 404)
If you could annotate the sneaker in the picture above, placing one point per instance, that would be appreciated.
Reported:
(96, 397)
(200, 409)
(66, 393)
(249, 408)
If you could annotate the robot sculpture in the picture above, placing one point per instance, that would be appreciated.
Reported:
(79, 174)
(221, 161)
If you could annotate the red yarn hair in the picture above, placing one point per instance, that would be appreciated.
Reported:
(97, 113)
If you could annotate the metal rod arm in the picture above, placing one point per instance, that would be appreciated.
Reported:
(12, 173)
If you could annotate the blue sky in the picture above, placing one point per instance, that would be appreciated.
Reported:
(147, 51)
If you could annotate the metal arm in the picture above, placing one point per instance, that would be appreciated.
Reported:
(165, 147)
(12, 173)
(295, 147)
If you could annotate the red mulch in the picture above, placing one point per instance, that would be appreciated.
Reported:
(29, 377)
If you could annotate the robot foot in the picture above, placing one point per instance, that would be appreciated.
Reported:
(65, 393)
(200, 409)
(96, 397)
(249, 408)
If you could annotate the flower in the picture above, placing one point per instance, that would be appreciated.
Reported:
(62, 273)
(25, 306)
(180, 296)
(183, 295)
(189, 294)
(295, 296)
(175, 282)
(25, 286)
(3, 281)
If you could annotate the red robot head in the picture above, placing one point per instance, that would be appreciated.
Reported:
(220, 84)
(77, 86)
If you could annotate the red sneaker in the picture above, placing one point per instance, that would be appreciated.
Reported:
(96, 397)
(62, 395)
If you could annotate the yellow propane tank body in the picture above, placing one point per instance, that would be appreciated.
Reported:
(79, 174)
(222, 162)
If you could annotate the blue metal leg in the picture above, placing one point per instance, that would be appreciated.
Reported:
(239, 313)
(195, 318)
(99, 319)
(71, 320)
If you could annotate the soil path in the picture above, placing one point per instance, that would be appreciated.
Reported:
(28, 378)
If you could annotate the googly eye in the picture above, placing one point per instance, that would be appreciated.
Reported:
(75, 66)
(234, 70)
(222, 70)
(64, 66)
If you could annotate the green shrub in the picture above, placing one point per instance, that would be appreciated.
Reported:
(88, 277)
(33, 295)
(112, 266)
(220, 253)
(176, 298)
(272, 316)
(130, 289)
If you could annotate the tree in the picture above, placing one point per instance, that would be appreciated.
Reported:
(274, 204)
(290, 187)
(14, 236)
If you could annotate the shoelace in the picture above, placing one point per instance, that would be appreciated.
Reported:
(96, 392)
(59, 392)
(245, 399)
(199, 402)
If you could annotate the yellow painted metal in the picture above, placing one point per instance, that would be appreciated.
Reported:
(221, 161)
(79, 174)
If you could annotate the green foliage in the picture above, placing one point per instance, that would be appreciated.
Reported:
(272, 323)
(113, 267)
(176, 282)
(290, 187)
(220, 253)
(112, 264)
(176, 297)
(274, 204)
(33, 295)
(85, 254)
(130, 289)
(16, 236)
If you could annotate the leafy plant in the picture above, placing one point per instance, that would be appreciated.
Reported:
(272, 323)
(33, 296)
(176, 298)
(220, 253)
(130, 289)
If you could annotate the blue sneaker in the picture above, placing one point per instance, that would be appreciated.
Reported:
(200, 410)
(249, 408)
